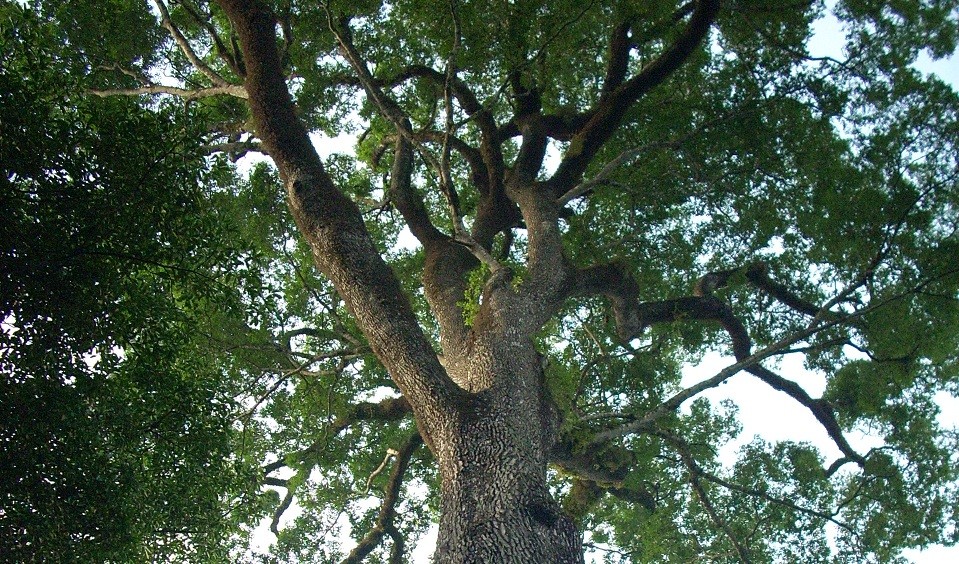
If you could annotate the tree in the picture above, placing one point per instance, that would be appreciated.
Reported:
(599, 194)
(119, 264)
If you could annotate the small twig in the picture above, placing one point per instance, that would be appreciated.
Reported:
(694, 474)
(390, 453)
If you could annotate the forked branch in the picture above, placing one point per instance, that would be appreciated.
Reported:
(633, 317)
(186, 48)
(610, 110)
(392, 111)
(385, 521)
(228, 55)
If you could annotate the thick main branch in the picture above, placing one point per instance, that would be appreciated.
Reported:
(333, 226)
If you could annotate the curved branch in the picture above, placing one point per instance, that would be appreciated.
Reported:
(595, 469)
(280, 510)
(445, 266)
(384, 522)
(610, 110)
(399, 545)
(773, 499)
(489, 153)
(391, 111)
(459, 89)
(446, 260)
(387, 107)
(472, 156)
(633, 317)
(758, 274)
(185, 46)
(616, 65)
(708, 308)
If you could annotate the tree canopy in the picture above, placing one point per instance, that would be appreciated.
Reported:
(544, 212)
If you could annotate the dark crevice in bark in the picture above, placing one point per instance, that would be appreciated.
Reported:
(604, 469)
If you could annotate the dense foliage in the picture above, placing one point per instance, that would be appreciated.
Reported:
(171, 358)
(119, 272)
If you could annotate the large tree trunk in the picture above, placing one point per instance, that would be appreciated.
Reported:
(495, 504)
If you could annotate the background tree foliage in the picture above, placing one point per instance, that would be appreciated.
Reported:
(123, 257)
(171, 358)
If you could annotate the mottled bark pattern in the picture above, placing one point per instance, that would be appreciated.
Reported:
(495, 505)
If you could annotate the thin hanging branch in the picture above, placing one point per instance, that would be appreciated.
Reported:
(385, 521)
(186, 48)
(694, 474)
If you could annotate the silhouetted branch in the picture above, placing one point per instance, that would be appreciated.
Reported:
(235, 149)
(384, 522)
(632, 317)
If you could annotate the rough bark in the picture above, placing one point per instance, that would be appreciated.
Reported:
(495, 505)
(333, 226)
